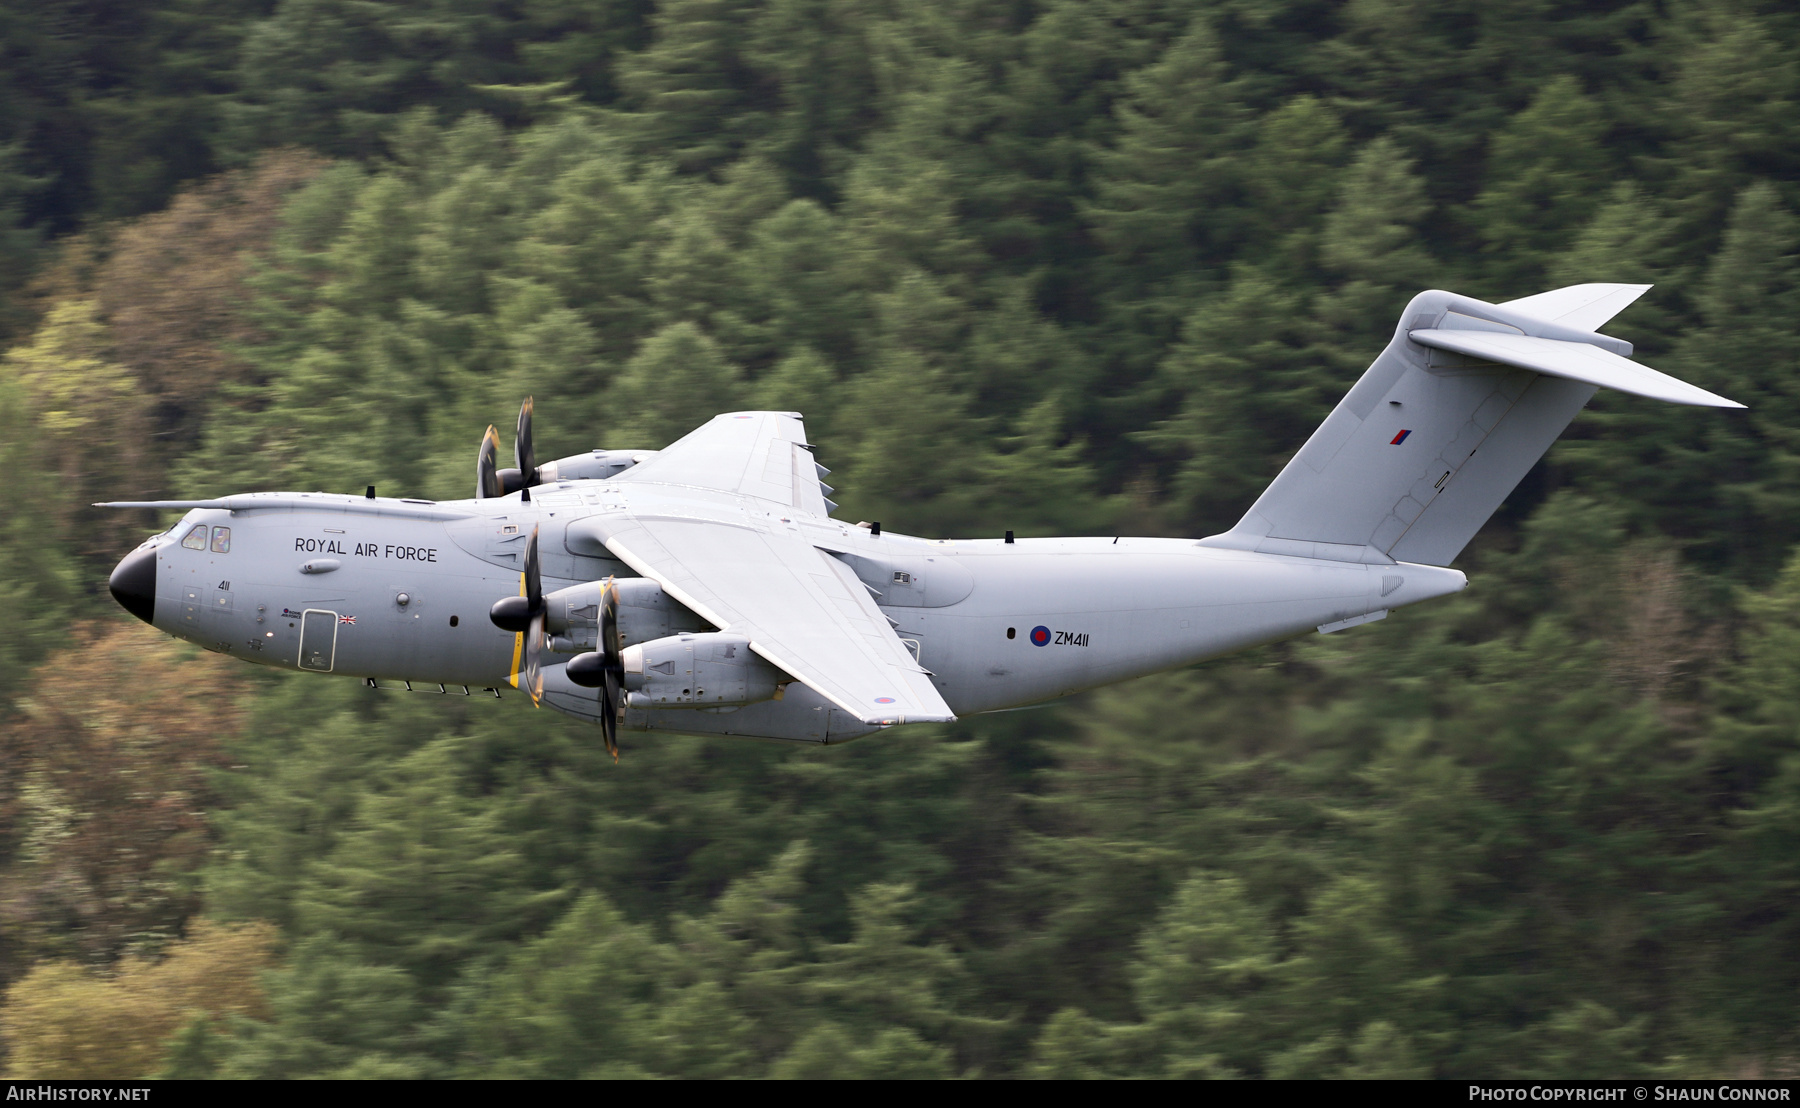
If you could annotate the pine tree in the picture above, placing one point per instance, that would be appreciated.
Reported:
(1646, 455)
(1543, 175)
(1164, 196)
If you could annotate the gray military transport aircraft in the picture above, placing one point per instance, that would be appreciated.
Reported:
(706, 587)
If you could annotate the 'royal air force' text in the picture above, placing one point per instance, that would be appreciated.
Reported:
(368, 550)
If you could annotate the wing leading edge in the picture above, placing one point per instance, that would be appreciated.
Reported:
(803, 610)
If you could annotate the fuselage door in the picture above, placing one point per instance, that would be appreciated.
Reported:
(318, 639)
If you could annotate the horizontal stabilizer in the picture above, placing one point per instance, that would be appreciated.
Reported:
(1583, 307)
(1574, 361)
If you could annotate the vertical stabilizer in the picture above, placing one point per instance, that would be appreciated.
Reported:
(1451, 416)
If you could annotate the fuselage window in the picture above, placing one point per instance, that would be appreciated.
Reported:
(196, 539)
(221, 540)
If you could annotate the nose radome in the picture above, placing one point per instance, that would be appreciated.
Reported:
(133, 584)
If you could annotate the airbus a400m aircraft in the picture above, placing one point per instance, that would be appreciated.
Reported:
(706, 587)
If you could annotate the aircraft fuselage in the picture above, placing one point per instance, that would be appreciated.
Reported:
(398, 591)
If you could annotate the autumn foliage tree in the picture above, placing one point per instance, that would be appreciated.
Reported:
(70, 1021)
(105, 781)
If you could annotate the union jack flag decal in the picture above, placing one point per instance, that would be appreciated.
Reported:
(346, 619)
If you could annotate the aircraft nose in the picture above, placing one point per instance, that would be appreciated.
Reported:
(133, 583)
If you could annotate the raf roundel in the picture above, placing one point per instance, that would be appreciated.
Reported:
(1040, 635)
(884, 700)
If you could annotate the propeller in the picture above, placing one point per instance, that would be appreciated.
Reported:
(491, 481)
(603, 669)
(525, 614)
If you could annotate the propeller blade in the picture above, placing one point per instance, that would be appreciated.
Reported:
(487, 463)
(612, 702)
(523, 453)
(611, 708)
(534, 584)
(609, 644)
(534, 638)
(531, 678)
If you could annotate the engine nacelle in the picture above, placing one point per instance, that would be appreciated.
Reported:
(572, 615)
(710, 670)
(595, 465)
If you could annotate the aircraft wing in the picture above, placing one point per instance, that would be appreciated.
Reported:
(760, 454)
(803, 609)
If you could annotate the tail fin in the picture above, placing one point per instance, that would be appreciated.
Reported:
(1441, 428)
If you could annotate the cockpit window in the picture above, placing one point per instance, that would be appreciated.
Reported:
(196, 539)
(221, 540)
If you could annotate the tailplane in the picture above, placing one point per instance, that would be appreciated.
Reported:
(1441, 428)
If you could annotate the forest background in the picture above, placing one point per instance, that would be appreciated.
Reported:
(1056, 266)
